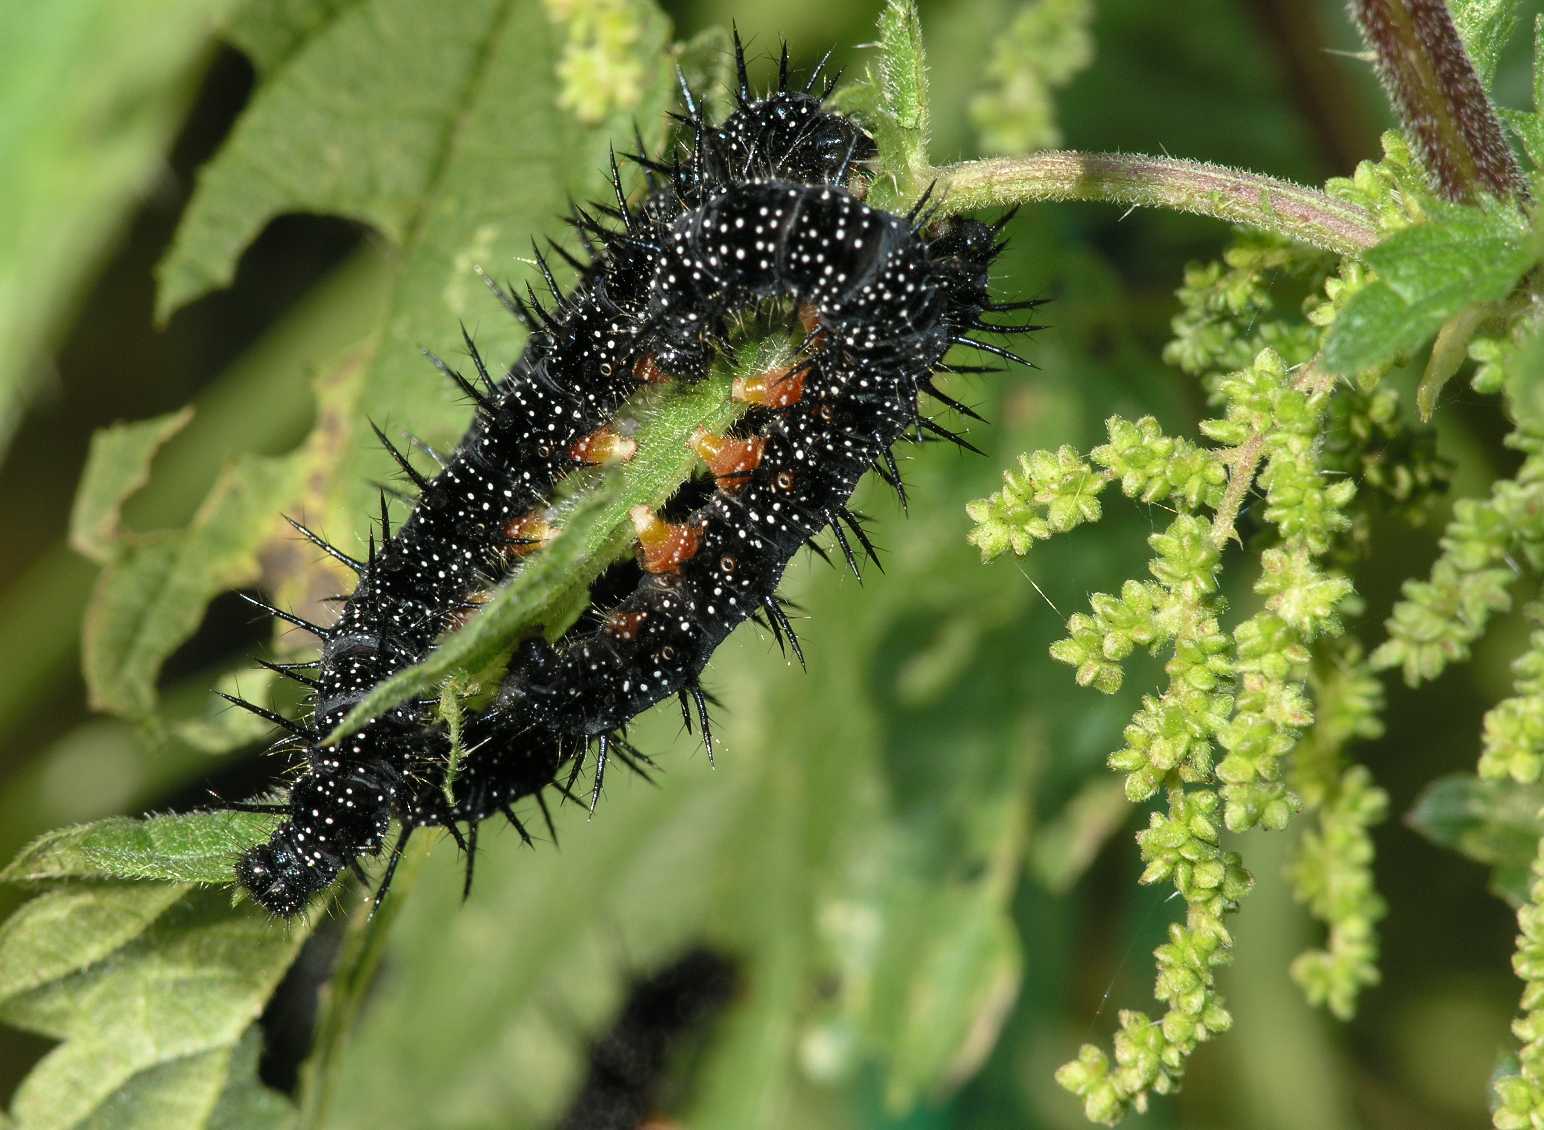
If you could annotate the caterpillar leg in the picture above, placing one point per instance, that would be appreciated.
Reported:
(391, 868)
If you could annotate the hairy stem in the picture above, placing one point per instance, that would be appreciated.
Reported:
(1244, 465)
(1244, 460)
(1251, 200)
(342, 997)
(1440, 98)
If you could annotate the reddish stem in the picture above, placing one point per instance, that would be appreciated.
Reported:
(1440, 98)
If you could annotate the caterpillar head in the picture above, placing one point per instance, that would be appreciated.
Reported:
(334, 818)
(277, 877)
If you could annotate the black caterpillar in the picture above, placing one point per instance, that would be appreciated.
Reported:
(629, 1062)
(756, 208)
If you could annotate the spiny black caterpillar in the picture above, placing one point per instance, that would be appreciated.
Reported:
(625, 1081)
(756, 208)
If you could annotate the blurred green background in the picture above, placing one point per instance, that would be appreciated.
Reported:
(906, 846)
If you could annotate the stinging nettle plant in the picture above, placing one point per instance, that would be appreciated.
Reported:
(1255, 723)
(1262, 521)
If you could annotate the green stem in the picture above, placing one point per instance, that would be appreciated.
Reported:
(1244, 460)
(364, 943)
(1250, 200)
(1244, 464)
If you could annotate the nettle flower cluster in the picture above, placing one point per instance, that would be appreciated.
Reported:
(1260, 701)
(1489, 547)
(1217, 739)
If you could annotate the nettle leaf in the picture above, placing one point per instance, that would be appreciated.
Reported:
(1528, 127)
(1485, 27)
(152, 988)
(440, 130)
(75, 927)
(153, 992)
(263, 400)
(117, 465)
(1498, 823)
(362, 121)
(1426, 275)
(154, 588)
(196, 847)
(532, 597)
(272, 32)
(152, 596)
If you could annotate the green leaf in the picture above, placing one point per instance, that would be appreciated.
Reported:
(1492, 822)
(152, 596)
(270, 33)
(76, 926)
(197, 847)
(357, 124)
(538, 591)
(893, 102)
(129, 765)
(213, 725)
(261, 402)
(117, 466)
(1426, 275)
(406, 123)
(246, 1104)
(157, 1028)
(80, 155)
(1485, 27)
(1528, 125)
(594, 534)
